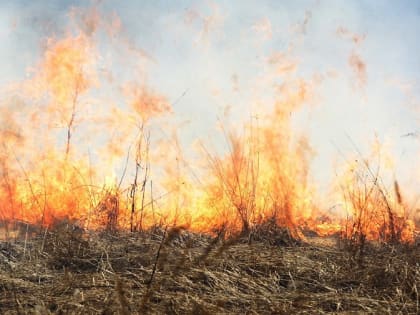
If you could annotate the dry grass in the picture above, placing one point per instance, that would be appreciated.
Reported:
(68, 271)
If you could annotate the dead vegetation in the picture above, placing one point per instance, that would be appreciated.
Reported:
(66, 270)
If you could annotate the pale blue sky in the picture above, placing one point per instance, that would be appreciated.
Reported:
(187, 57)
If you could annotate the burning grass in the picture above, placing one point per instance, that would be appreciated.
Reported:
(67, 270)
(80, 144)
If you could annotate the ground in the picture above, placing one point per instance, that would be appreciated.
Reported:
(69, 271)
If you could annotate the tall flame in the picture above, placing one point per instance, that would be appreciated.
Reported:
(75, 150)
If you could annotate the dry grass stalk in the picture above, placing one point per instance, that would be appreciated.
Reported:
(112, 273)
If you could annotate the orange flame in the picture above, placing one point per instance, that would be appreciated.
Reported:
(264, 174)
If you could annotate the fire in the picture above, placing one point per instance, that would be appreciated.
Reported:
(75, 152)
(374, 210)
(66, 64)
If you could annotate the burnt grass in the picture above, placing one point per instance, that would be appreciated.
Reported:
(66, 270)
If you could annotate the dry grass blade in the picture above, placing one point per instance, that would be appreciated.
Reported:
(196, 274)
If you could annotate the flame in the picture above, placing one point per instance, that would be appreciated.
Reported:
(374, 210)
(70, 153)
(145, 102)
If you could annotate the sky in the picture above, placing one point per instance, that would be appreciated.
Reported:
(211, 57)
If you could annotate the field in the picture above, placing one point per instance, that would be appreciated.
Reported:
(202, 157)
(66, 270)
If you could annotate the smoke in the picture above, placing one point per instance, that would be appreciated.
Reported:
(263, 28)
